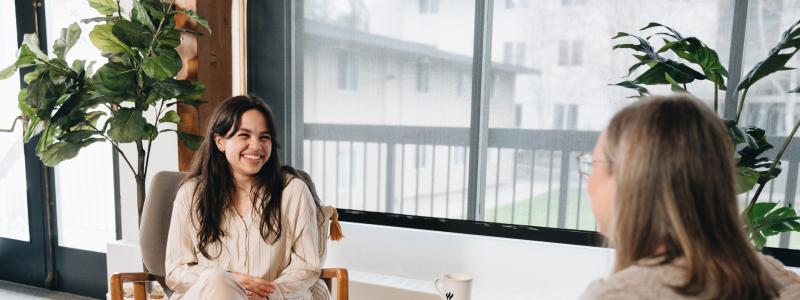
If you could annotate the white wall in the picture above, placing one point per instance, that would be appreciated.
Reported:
(515, 269)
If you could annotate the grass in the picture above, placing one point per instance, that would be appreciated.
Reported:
(522, 212)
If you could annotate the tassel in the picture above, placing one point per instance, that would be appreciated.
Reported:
(336, 228)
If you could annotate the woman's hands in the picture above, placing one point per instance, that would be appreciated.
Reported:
(256, 288)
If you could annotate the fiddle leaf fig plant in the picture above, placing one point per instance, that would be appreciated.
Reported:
(71, 105)
(697, 63)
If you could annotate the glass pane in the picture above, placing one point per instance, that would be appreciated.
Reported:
(84, 184)
(549, 107)
(14, 204)
(387, 103)
(769, 105)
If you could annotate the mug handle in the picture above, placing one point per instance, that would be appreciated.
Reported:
(438, 288)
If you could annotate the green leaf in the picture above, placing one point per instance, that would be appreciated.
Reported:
(659, 66)
(695, 51)
(190, 140)
(114, 79)
(173, 88)
(760, 210)
(171, 117)
(777, 58)
(140, 15)
(8, 71)
(170, 39)
(759, 240)
(103, 38)
(154, 8)
(33, 75)
(33, 128)
(746, 179)
(46, 138)
(23, 105)
(165, 64)
(76, 137)
(90, 141)
(32, 41)
(132, 34)
(127, 126)
(42, 94)
(89, 122)
(672, 32)
(79, 66)
(150, 132)
(200, 20)
(69, 36)
(634, 86)
(69, 113)
(59, 152)
(104, 7)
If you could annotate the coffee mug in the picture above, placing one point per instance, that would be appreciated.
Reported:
(454, 286)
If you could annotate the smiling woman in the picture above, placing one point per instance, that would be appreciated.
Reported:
(241, 213)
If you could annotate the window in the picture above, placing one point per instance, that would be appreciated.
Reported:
(14, 207)
(532, 105)
(508, 52)
(512, 4)
(428, 6)
(463, 83)
(347, 71)
(573, 2)
(520, 54)
(86, 220)
(423, 77)
(570, 52)
(514, 53)
(565, 116)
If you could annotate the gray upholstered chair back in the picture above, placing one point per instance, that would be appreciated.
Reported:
(156, 215)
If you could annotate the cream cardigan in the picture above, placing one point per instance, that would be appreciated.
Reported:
(292, 262)
(649, 280)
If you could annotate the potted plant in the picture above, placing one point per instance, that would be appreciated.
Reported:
(71, 106)
(762, 219)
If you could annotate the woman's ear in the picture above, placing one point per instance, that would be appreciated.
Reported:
(219, 142)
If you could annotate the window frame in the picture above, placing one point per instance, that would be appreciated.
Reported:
(280, 24)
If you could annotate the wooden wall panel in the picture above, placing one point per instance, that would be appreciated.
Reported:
(206, 58)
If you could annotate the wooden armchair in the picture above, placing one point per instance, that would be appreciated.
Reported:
(153, 240)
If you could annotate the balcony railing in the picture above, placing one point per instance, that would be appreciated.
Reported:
(531, 175)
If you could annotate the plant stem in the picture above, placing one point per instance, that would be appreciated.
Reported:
(158, 31)
(150, 141)
(716, 98)
(741, 105)
(58, 68)
(119, 10)
(772, 167)
(684, 88)
(116, 147)
(140, 192)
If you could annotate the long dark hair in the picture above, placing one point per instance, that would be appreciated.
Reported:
(215, 186)
(673, 164)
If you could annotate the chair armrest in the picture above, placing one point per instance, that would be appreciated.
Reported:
(341, 281)
(138, 279)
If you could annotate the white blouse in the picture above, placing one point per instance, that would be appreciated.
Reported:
(292, 262)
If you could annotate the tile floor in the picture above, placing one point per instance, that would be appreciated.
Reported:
(10, 290)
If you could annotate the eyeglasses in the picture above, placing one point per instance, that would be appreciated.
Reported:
(585, 162)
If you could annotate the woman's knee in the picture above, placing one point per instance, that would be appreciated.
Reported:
(218, 277)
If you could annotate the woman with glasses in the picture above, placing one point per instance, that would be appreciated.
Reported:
(662, 186)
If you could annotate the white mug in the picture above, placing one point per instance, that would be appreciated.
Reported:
(454, 286)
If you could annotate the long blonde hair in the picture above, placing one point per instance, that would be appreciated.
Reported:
(672, 161)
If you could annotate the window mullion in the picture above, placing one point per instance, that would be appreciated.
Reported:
(479, 113)
(736, 62)
(294, 84)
